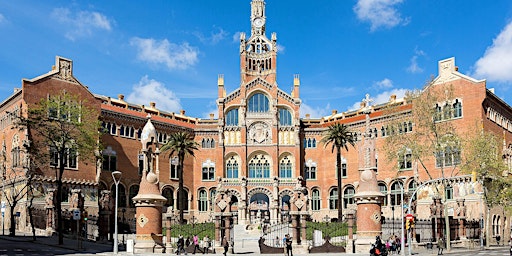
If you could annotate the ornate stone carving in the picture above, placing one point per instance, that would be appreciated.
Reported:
(106, 203)
(142, 220)
(259, 133)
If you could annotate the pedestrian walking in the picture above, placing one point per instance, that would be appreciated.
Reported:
(206, 244)
(225, 244)
(195, 240)
(181, 245)
(440, 246)
(288, 245)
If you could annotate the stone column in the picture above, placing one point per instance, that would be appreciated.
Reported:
(106, 204)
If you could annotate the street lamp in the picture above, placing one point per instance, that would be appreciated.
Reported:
(116, 176)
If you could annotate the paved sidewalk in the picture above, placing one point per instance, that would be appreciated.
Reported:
(100, 248)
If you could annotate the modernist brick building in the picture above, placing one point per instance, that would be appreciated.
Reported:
(259, 145)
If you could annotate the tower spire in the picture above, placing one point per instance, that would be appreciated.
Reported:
(258, 17)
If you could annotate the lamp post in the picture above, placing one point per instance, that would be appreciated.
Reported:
(116, 176)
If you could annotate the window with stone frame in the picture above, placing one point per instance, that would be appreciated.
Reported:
(232, 167)
(396, 193)
(232, 117)
(109, 159)
(310, 170)
(121, 200)
(450, 156)
(315, 199)
(285, 168)
(15, 152)
(208, 171)
(168, 193)
(203, 200)
(405, 159)
(348, 196)
(309, 143)
(258, 103)
(285, 117)
(384, 190)
(213, 194)
(141, 163)
(133, 191)
(259, 167)
(333, 199)
(343, 168)
(173, 167)
(70, 158)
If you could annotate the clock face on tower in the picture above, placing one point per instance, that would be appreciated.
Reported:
(258, 22)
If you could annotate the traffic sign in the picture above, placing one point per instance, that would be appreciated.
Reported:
(76, 214)
(409, 216)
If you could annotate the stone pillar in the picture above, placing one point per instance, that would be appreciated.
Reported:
(76, 202)
(168, 223)
(299, 211)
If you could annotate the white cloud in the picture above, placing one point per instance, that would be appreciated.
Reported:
(236, 37)
(414, 67)
(214, 37)
(385, 83)
(379, 13)
(281, 49)
(496, 63)
(82, 23)
(381, 98)
(174, 56)
(2, 18)
(314, 112)
(150, 90)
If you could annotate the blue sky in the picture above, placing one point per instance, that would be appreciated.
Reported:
(171, 52)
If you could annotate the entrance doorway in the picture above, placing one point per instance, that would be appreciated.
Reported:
(259, 208)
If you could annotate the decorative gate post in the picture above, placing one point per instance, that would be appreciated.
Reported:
(50, 211)
(222, 214)
(149, 200)
(368, 197)
(299, 212)
(105, 205)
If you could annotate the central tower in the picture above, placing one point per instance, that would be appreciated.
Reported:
(258, 53)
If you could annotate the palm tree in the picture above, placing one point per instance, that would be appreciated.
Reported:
(339, 136)
(183, 144)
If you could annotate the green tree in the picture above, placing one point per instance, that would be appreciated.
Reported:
(182, 144)
(483, 159)
(62, 128)
(433, 136)
(339, 136)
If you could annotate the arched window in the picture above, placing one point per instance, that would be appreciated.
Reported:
(15, 151)
(169, 195)
(232, 168)
(259, 167)
(134, 190)
(438, 113)
(285, 168)
(232, 117)
(315, 199)
(313, 143)
(258, 103)
(213, 193)
(184, 201)
(203, 200)
(411, 188)
(348, 196)
(395, 193)
(384, 190)
(285, 117)
(121, 200)
(333, 199)
(405, 160)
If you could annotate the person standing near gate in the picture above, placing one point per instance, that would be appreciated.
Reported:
(181, 244)
(225, 244)
(288, 244)
(440, 246)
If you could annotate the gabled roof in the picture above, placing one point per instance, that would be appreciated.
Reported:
(63, 70)
(447, 71)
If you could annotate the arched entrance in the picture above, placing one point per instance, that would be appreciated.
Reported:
(259, 208)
